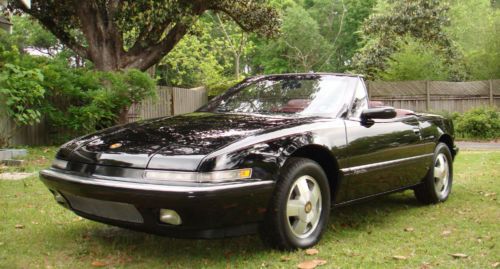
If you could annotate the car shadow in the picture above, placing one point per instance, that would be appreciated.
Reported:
(362, 216)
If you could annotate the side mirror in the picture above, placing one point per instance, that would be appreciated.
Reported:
(385, 112)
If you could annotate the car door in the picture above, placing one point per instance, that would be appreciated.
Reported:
(385, 155)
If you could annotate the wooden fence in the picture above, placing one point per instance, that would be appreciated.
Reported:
(27, 135)
(436, 96)
(170, 101)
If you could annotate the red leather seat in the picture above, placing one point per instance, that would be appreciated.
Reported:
(373, 104)
(399, 112)
(403, 112)
(295, 105)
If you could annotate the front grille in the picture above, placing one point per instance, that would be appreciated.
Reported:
(105, 209)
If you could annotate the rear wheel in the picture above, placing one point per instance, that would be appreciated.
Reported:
(300, 207)
(436, 186)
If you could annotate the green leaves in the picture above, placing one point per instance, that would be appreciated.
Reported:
(319, 35)
(73, 100)
(385, 31)
(479, 123)
(22, 92)
(474, 28)
(137, 34)
(415, 61)
(95, 98)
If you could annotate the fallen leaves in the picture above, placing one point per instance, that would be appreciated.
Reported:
(98, 263)
(459, 255)
(19, 226)
(112, 261)
(399, 257)
(495, 265)
(409, 229)
(446, 233)
(311, 264)
(285, 258)
(488, 194)
(312, 251)
(425, 265)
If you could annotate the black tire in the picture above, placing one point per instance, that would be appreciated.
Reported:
(280, 231)
(430, 191)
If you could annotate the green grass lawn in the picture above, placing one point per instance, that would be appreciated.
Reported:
(367, 235)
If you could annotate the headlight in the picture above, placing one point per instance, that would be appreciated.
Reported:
(59, 164)
(216, 176)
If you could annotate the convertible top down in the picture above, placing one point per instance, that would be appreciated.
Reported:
(272, 154)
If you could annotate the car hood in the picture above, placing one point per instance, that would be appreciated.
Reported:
(178, 142)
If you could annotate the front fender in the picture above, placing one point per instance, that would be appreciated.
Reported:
(265, 158)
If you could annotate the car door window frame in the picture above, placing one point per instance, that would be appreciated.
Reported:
(350, 113)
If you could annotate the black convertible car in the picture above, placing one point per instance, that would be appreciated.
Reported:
(273, 154)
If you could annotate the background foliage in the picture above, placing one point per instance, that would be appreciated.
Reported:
(384, 39)
(482, 123)
(73, 100)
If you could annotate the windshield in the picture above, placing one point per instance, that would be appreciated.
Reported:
(308, 95)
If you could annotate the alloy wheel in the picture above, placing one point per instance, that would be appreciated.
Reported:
(304, 205)
(441, 174)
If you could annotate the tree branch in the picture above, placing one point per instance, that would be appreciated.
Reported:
(149, 56)
(336, 36)
(57, 30)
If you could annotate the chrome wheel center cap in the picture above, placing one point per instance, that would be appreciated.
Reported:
(308, 207)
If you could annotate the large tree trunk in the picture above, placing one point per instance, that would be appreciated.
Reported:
(105, 42)
(103, 29)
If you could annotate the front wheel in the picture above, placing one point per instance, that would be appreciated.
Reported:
(436, 186)
(300, 207)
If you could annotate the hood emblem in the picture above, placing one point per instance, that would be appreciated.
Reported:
(115, 145)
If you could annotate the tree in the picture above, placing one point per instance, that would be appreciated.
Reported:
(415, 61)
(300, 47)
(198, 59)
(474, 26)
(28, 33)
(422, 20)
(327, 31)
(122, 34)
(237, 41)
(339, 22)
(307, 48)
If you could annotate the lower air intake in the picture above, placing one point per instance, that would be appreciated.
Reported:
(105, 209)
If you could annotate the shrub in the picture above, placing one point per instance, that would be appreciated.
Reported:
(74, 101)
(86, 100)
(22, 93)
(482, 123)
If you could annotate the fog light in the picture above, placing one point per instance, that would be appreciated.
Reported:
(59, 164)
(170, 217)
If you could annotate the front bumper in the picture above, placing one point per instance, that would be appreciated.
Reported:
(207, 211)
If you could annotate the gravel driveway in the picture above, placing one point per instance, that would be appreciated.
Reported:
(465, 145)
